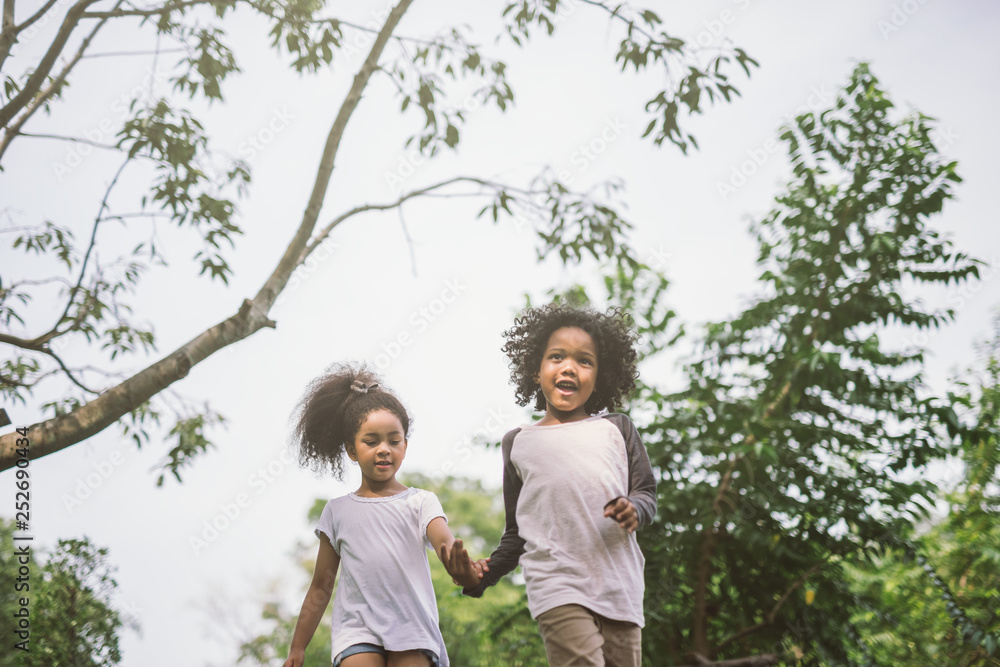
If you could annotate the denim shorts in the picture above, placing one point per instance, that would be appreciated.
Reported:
(374, 648)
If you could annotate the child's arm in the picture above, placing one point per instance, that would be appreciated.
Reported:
(507, 555)
(315, 603)
(639, 507)
(464, 572)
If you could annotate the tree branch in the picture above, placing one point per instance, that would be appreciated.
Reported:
(133, 53)
(8, 31)
(707, 551)
(427, 191)
(60, 432)
(169, 7)
(86, 257)
(37, 15)
(49, 91)
(59, 137)
(763, 660)
(68, 373)
(770, 616)
(38, 76)
(296, 249)
(409, 241)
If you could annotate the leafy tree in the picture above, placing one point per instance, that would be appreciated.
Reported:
(782, 459)
(93, 297)
(73, 622)
(796, 447)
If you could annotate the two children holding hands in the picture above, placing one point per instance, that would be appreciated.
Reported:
(577, 484)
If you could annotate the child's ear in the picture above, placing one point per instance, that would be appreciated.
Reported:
(351, 454)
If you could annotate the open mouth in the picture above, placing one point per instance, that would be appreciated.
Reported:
(383, 464)
(566, 385)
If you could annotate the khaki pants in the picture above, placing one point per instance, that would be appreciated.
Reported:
(574, 636)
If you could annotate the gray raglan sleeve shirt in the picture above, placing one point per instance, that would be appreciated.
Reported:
(642, 493)
(641, 482)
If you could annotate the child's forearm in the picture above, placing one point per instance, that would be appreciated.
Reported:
(313, 607)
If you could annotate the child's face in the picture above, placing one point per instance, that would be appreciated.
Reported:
(379, 447)
(568, 373)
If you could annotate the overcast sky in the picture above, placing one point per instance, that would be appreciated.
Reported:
(361, 296)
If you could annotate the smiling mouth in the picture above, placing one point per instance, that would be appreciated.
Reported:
(566, 386)
(383, 464)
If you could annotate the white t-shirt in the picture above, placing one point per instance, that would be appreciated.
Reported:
(384, 595)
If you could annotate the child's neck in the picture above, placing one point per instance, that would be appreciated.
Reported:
(373, 489)
(554, 416)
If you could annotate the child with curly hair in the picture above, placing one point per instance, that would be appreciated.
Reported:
(384, 613)
(576, 486)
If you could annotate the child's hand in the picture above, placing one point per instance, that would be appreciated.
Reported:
(623, 511)
(296, 658)
(464, 572)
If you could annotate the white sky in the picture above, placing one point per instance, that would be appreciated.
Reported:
(942, 60)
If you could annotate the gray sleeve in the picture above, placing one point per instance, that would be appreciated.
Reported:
(506, 556)
(641, 482)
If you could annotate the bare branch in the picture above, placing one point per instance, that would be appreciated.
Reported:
(8, 31)
(38, 76)
(68, 372)
(37, 15)
(90, 245)
(49, 91)
(133, 53)
(59, 137)
(296, 249)
(409, 241)
(41, 281)
(165, 9)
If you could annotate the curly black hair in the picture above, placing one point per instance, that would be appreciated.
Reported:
(614, 336)
(331, 412)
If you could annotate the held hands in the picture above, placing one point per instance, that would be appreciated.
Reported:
(463, 570)
(623, 511)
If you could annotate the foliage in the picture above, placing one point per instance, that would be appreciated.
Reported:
(936, 600)
(799, 445)
(82, 306)
(73, 621)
